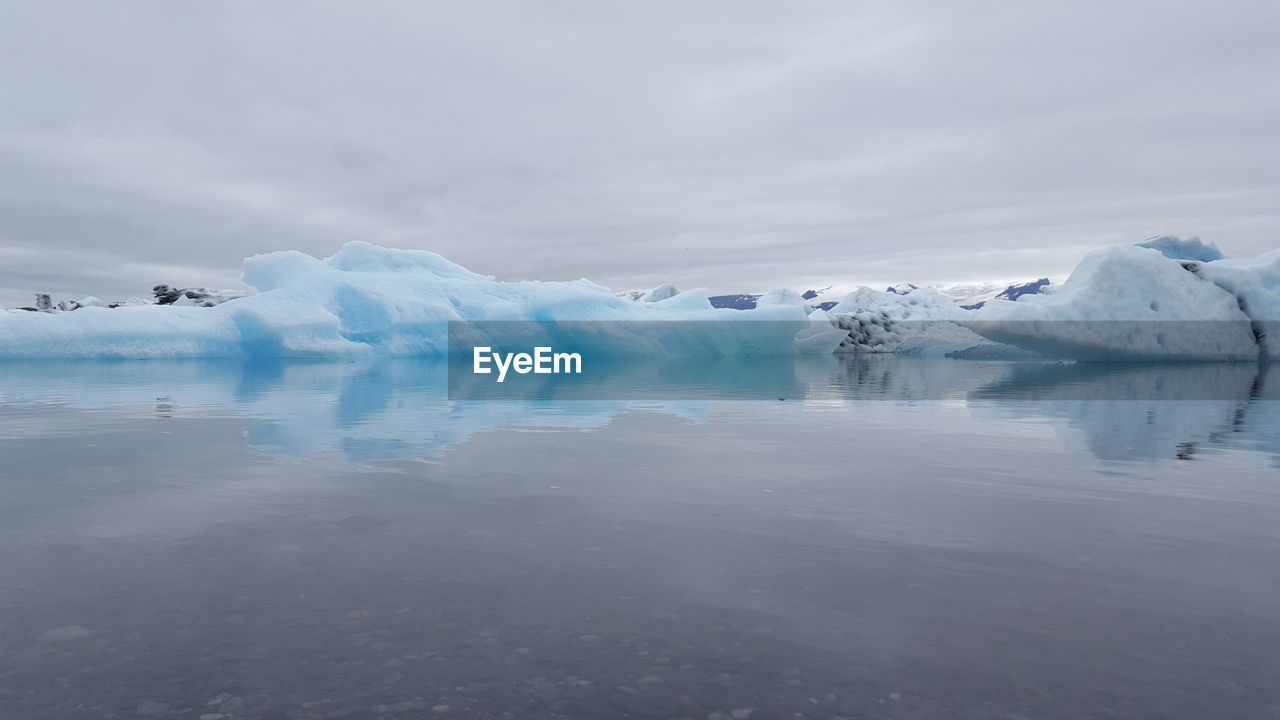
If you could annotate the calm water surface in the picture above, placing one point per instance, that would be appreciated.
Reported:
(894, 539)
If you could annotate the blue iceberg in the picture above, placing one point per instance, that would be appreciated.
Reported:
(373, 301)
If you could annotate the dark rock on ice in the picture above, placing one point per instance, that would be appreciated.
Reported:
(166, 294)
(1013, 292)
(198, 297)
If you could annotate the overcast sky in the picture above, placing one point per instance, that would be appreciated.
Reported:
(735, 145)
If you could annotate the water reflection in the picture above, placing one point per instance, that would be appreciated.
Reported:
(1130, 411)
(390, 409)
(400, 408)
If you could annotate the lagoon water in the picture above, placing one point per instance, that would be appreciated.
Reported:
(887, 538)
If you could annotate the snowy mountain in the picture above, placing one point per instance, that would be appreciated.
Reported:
(968, 295)
(734, 302)
(972, 296)
(1037, 287)
(661, 292)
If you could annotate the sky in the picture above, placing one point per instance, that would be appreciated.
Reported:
(734, 145)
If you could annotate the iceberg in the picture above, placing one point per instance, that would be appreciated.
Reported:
(199, 297)
(90, 301)
(164, 295)
(1175, 248)
(368, 300)
(1137, 303)
(1255, 284)
(1163, 299)
(919, 321)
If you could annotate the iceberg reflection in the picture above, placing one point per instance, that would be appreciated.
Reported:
(401, 408)
(1126, 411)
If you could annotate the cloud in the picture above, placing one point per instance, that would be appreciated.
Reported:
(725, 144)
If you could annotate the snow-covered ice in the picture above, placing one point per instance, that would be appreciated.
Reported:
(197, 297)
(1255, 284)
(1163, 299)
(1175, 248)
(1136, 303)
(920, 321)
(654, 294)
(369, 300)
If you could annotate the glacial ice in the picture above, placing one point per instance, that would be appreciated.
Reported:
(654, 294)
(917, 304)
(1255, 284)
(198, 297)
(1136, 303)
(1164, 299)
(370, 300)
(1175, 248)
(917, 321)
(84, 302)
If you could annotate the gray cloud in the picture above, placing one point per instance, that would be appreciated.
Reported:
(725, 144)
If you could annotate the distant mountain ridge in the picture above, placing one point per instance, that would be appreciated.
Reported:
(737, 302)
(969, 296)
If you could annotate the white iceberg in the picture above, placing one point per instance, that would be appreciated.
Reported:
(919, 321)
(368, 300)
(1255, 284)
(84, 302)
(1136, 303)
